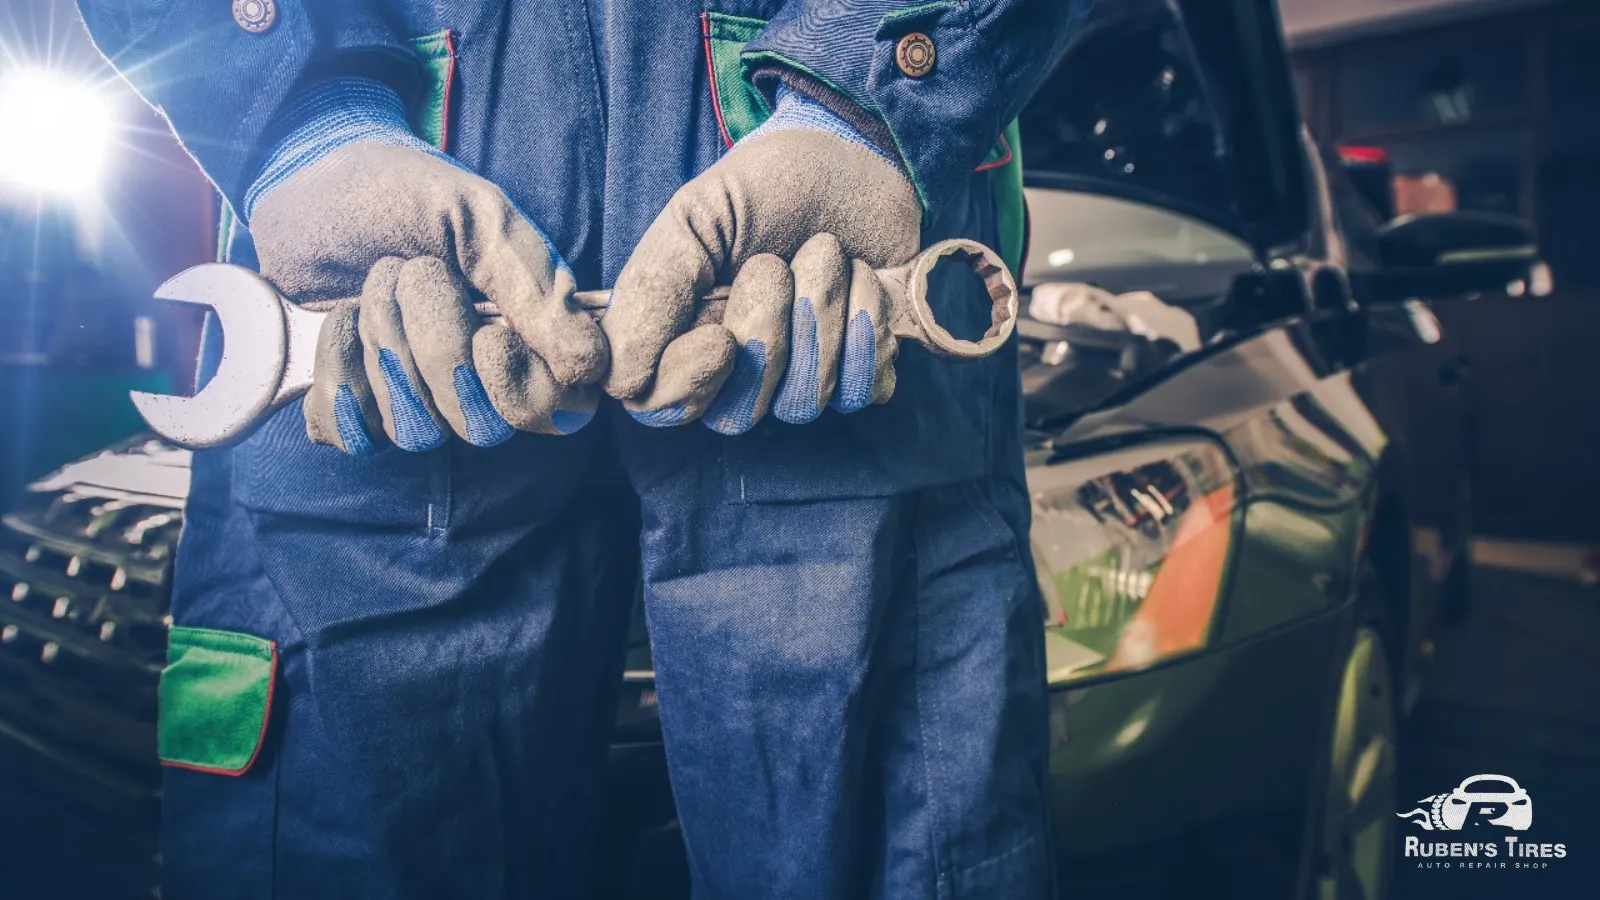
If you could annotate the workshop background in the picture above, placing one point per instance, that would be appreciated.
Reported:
(1479, 105)
(1491, 106)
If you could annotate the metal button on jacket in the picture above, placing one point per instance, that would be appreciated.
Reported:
(255, 16)
(914, 54)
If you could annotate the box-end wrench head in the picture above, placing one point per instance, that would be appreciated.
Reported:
(913, 317)
(269, 344)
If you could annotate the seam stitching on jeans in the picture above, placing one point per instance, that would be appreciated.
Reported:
(1027, 844)
(942, 883)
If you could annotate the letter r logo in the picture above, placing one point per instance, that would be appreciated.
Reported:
(1483, 812)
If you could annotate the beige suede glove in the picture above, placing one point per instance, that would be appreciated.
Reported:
(796, 217)
(351, 205)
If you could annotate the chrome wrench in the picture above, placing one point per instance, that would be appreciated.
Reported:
(269, 358)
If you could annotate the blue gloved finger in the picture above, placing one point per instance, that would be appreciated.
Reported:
(485, 426)
(410, 419)
(340, 409)
(856, 370)
(520, 385)
(758, 315)
(821, 285)
(439, 322)
(354, 438)
(665, 417)
(866, 370)
(733, 410)
(570, 421)
(693, 369)
(797, 396)
(409, 422)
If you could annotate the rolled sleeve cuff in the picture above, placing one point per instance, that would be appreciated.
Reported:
(795, 109)
(333, 114)
(940, 125)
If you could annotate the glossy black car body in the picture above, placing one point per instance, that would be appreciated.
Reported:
(1250, 505)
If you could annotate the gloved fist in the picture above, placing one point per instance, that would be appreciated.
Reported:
(797, 215)
(419, 239)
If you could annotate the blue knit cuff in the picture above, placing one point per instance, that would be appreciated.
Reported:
(796, 110)
(329, 116)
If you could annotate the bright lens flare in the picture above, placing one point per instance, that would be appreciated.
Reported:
(57, 132)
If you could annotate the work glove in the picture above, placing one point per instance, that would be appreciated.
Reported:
(796, 216)
(351, 204)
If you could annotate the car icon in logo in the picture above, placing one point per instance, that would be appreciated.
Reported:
(1479, 800)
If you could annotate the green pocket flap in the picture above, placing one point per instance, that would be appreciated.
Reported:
(739, 106)
(431, 118)
(1011, 210)
(216, 695)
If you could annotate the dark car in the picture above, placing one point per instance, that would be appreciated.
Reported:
(1246, 456)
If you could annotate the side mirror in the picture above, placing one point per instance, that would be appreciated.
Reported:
(1438, 255)
(1371, 172)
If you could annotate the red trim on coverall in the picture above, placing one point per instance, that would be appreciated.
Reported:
(711, 71)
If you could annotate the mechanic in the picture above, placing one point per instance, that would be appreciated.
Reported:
(392, 674)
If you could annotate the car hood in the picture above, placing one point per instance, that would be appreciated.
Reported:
(1184, 104)
(141, 470)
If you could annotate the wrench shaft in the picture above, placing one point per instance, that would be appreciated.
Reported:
(269, 350)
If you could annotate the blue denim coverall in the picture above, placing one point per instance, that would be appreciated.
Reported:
(844, 622)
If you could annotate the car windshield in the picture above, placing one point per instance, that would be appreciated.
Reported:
(1074, 232)
(1117, 292)
(1134, 223)
(1128, 110)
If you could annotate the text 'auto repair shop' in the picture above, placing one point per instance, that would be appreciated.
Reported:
(796, 448)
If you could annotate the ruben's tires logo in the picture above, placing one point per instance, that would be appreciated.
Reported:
(1480, 800)
(1482, 807)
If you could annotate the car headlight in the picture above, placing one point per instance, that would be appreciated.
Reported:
(1132, 549)
(638, 712)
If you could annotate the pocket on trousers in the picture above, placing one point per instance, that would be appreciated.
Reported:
(935, 431)
(278, 470)
(216, 700)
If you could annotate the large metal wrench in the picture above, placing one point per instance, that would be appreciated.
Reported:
(270, 345)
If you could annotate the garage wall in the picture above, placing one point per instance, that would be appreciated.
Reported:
(150, 218)
(1321, 21)
(1534, 392)
(1495, 101)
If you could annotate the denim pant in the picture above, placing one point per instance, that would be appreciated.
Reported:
(449, 630)
(851, 688)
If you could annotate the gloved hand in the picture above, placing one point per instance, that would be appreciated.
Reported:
(350, 203)
(797, 214)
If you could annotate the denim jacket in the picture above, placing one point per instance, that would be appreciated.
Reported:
(591, 113)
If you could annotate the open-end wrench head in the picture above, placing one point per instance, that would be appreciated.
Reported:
(254, 350)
